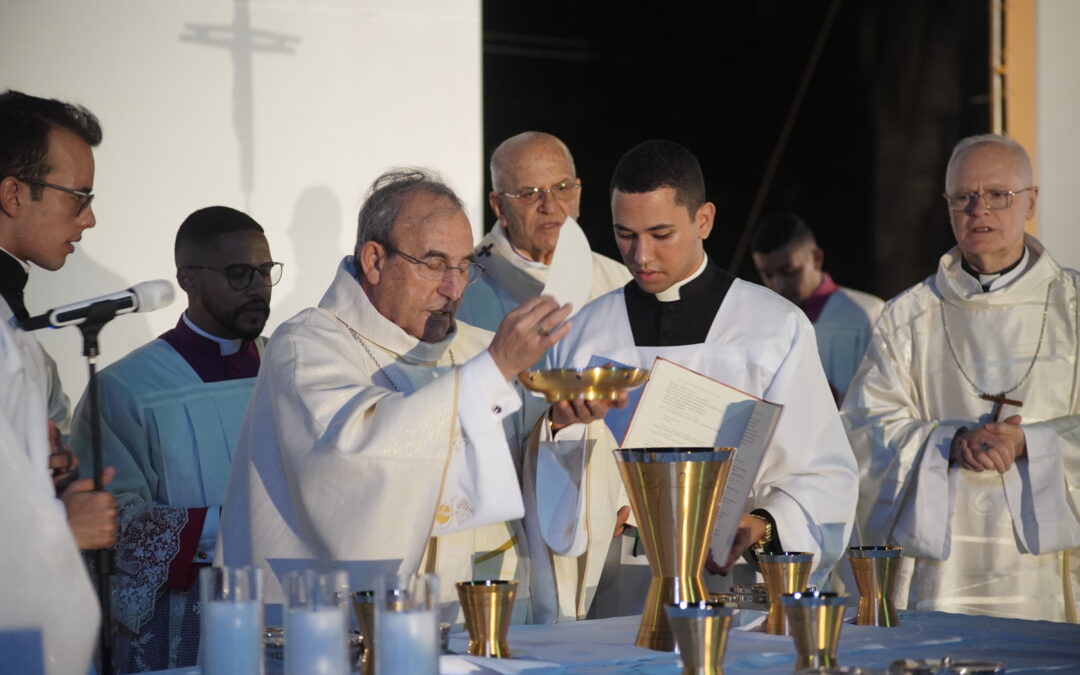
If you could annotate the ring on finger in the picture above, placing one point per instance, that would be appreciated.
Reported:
(986, 447)
(540, 330)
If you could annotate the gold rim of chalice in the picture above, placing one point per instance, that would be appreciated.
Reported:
(591, 384)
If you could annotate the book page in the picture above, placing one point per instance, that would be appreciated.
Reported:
(683, 408)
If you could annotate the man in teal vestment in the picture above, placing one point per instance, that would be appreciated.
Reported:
(171, 412)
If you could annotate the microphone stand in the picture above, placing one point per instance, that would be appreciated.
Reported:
(99, 314)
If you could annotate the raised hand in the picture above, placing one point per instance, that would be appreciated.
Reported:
(527, 332)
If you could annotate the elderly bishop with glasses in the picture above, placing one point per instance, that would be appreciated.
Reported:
(965, 412)
(171, 414)
(382, 435)
(535, 196)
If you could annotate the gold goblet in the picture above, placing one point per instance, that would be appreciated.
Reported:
(675, 494)
(875, 569)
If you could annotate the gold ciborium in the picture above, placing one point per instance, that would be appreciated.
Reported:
(675, 495)
(592, 384)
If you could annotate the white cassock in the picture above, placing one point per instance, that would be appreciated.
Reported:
(843, 331)
(50, 614)
(975, 542)
(510, 279)
(756, 342)
(362, 442)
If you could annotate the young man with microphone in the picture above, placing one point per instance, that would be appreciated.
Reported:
(51, 615)
(170, 413)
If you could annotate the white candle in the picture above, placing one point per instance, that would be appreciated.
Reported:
(315, 641)
(406, 642)
(231, 638)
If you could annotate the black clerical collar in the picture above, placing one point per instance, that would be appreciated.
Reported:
(13, 278)
(987, 280)
(685, 321)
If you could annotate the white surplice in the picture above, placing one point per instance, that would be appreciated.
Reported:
(758, 343)
(843, 331)
(978, 542)
(510, 279)
(357, 448)
(50, 613)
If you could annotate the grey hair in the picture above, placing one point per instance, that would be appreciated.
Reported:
(384, 199)
(1009, 144)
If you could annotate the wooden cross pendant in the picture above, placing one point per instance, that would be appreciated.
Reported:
(999, 402)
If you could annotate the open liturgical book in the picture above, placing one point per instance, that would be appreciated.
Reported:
(682, 408)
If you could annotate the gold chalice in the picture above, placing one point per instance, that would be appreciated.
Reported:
(602, 383)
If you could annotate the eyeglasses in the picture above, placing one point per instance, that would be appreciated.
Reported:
(434, 268)
(240, 275)
(84, 197)
(563, 191)
(994, 200)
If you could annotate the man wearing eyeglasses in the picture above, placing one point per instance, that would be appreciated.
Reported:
(50, 613)
(377, 432)
(171, 412)
(964, 414)
(536, 197)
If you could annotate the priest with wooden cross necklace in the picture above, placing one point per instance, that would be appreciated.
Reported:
(964, 414)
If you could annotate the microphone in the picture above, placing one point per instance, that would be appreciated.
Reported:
(144, 297)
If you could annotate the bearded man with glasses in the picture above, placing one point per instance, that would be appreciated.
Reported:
(964, 414)
(536, 198)
(171, 413)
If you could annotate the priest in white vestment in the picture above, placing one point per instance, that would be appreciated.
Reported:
(376, 424)
(683, 307)
(50, 614)
(964, 414)
(536, 197)
(791, 263)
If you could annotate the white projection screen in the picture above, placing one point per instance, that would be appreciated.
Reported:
(286, 109)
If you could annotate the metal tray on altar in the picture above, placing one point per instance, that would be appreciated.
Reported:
(592, 384)
(945, 666)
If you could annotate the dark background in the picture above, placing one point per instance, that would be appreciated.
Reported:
(897, 84)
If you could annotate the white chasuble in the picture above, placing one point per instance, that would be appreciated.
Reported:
(976, 542)
(758, 343)
(509, 279)
(50, 615)
(361, 442)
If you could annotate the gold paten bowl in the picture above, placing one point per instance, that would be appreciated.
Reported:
(591, 384)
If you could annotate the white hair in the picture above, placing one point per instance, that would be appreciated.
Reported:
(1009, 144)
(508, 150)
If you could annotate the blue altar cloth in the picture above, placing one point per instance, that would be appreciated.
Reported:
(606, 647)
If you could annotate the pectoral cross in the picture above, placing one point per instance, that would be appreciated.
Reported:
(999, 401)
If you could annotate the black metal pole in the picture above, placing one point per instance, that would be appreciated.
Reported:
(97, 317)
